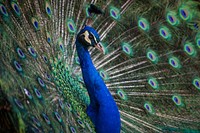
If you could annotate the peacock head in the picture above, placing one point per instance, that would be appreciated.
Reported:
(89, 37)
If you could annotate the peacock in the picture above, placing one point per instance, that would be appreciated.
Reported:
(148, 66)
(102, 110)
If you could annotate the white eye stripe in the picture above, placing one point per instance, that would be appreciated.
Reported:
(86, 34)
(94, 37)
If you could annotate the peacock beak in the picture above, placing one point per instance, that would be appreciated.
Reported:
(99, 47)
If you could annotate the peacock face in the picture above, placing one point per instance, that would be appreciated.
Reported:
(88, 37)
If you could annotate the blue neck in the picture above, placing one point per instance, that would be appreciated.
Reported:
(84, 57)
(89, 72)
(102, 110)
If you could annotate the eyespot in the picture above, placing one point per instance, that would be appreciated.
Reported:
(58, 117)
(49, 37)
(143, 24)
(127, 49)
(61, 47)
(69, 106)
(196, 83)
(122, 94)
(103, 74)
(18, 103)
(115, 13)
(48, 76)
(172, 18)
(20, 53)
(148, 106)
(48, 9)
(37, 92)
(15, 7)
(152, 56)
(190, 49)
(174, 62)
(81, 123)
(165, 33)
(3, 10)
(177, 100)
(32, 52)
(28, 94)
(71, 26)
(35, 23)
(46, 118)
(17, 66)
(60, 43)
(49, 40)
(45, 58)
(36, 121)
(184, 13)
(41, 82)
(72, 129)
(198, 40)
(153, 83)
(78, 114)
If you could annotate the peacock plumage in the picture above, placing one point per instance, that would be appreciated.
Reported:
(150, 65)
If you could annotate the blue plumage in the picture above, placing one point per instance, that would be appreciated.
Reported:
(102, 110)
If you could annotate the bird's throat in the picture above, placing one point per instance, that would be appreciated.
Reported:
(84, 57)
